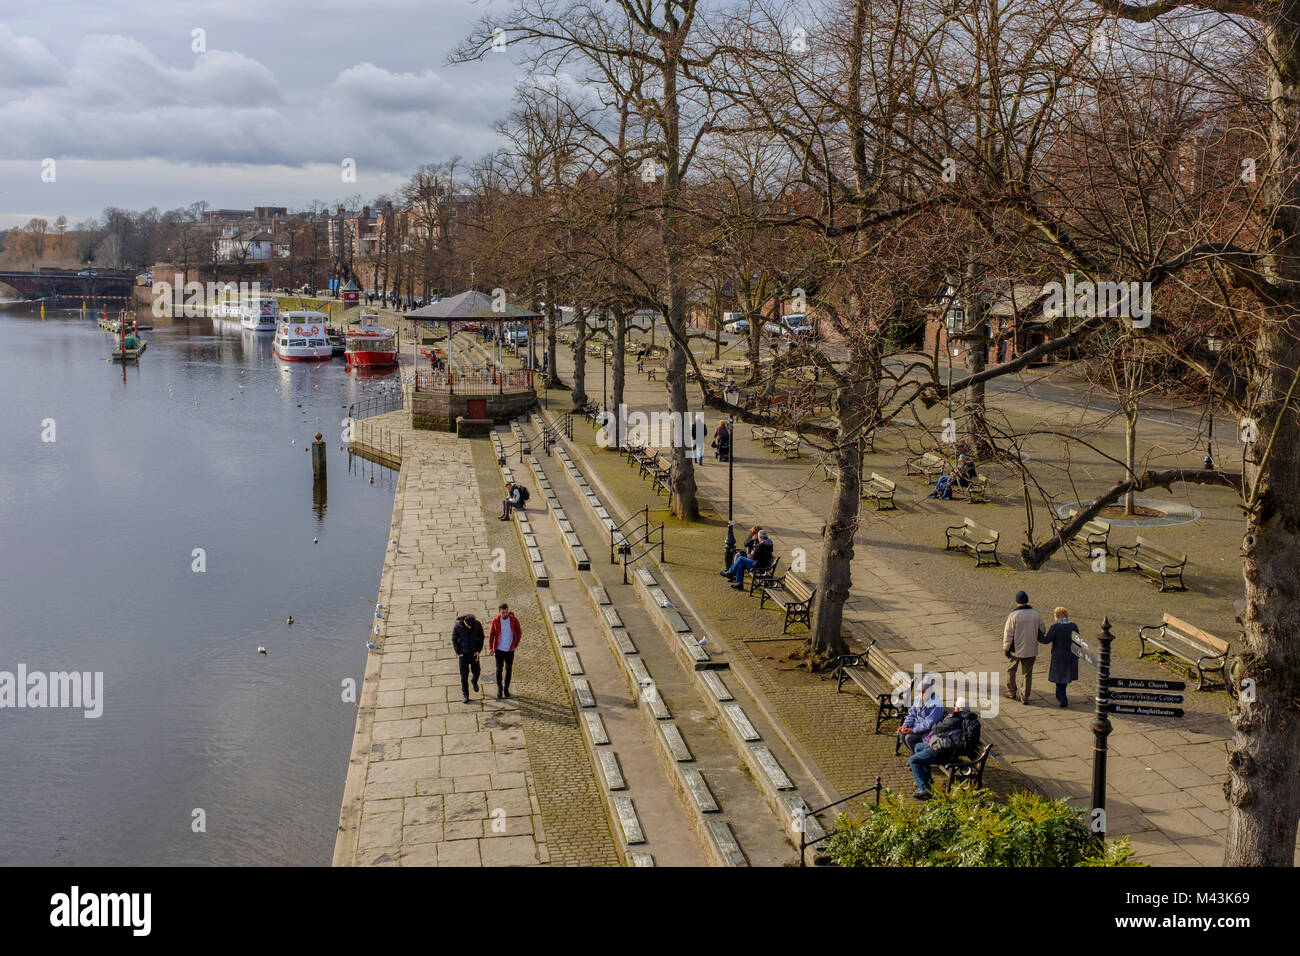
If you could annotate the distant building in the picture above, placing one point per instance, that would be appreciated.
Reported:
(1008, 336)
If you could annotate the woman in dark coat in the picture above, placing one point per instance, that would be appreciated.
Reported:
(1065, 663)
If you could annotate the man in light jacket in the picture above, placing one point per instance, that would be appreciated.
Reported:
(503, 638)
(1020, 644)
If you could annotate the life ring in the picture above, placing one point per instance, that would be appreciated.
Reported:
(297, 330)
(315, 330)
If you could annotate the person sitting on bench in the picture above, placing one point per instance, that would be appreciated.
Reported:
(962, 476)
(957, 735)
(514, 499)
(925, 712)
(759, 558)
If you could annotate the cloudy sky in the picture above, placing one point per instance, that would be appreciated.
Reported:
(116, 94)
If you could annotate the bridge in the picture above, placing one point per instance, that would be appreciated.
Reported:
(107, 286)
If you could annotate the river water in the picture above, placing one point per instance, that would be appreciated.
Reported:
(207, 752)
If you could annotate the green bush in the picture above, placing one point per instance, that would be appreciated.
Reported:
(970, 828)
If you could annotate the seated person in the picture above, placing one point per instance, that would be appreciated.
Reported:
(957, 735)
(925, 712)
(759, 558)
(513, 499)
(965, 473)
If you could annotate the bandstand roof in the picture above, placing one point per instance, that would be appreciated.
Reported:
(468, 305)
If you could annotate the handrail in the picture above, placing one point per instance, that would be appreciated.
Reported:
(804, 842)
(364, 433)
(627, 559)
(377, 404)
(618, 528)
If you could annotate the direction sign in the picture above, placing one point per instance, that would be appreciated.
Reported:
(1081, 649)
(1144, 697)
(1144, 711)
(1134, 683)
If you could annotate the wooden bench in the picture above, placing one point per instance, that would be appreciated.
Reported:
(1092, 534)
(764, 577)
(968, 769)
(788, 444)
(1189, 644)
(795, 596)
(879, 489)
(929, 465)
(762, 433)
(1153, 561)
(874, 673)
(979, 541)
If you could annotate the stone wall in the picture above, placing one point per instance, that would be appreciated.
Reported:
(438, 411)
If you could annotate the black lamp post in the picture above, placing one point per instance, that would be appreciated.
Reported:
(729, 546)
(1215, 345)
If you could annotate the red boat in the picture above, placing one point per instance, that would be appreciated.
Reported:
(370, 346)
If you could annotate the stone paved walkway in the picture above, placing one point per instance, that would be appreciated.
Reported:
(433, 781)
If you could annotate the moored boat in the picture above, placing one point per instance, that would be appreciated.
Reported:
(259, 313)
(371, 346)
(131, 347)
(302, 337)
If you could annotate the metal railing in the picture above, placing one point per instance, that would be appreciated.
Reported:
(475, 381)
(805, 843)
(617, 530)
(378, 404)
(378, 441)
(628, 559)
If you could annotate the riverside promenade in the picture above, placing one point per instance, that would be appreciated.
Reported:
(432, 781)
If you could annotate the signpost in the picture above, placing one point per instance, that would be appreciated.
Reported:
(1119, 695)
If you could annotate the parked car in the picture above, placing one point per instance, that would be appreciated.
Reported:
(739, 326)
(87, 273)
(797, 324)
(516, 334)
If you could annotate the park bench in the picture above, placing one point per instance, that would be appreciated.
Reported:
(880, 490)
(874, 672)
(648, 463)
(966, 769)
(929, 465)
(1189, 644)
(788, 444)
(764, 577)
(1092, 534)
(976, 491)
(794, 595)
(590, 410)
(979, 541)
(762, 433)
(1153, 561)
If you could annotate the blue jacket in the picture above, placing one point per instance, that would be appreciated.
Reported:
(922, 716)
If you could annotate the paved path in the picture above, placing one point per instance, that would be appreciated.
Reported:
(433, 781)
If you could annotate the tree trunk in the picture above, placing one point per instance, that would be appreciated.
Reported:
(1130, 451)
(618, 374)
(826, 640)
(579, 393)
(552, 372)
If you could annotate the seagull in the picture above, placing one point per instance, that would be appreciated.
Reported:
(315, 540)
(372, 645)
(376, 628)
(261, 649)
(293, 441)
(392, 541)
(702, 641)
(289, 620)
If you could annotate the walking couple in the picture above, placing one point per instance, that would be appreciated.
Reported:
(503, 639)
(1021, 635)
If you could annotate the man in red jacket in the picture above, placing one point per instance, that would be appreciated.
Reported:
(503, 638)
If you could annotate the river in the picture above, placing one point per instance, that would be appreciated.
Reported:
(207, 752)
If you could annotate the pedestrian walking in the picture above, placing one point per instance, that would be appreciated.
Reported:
(503, 639)
(699, 432)
(467, 642)
(1020, 644)
(1064, 667)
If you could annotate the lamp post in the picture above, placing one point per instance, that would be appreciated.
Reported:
(729, 546)
(1215, 345)
(955, 321)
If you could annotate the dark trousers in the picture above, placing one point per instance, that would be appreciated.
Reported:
(1060, 693)
(911, 740)
(505, 667)
(468, 664)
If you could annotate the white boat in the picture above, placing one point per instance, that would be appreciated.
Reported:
(259, 313)
(303, 337)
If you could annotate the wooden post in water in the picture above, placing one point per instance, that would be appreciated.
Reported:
(318, 456)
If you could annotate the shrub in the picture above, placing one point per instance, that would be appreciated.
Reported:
(971, 828)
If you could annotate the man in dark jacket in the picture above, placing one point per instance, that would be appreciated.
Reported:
(1065, 663)
(758, 559)
(957, 735)
(467, 642)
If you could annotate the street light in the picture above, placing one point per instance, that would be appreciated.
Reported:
(1215, 345)
(729, 546)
